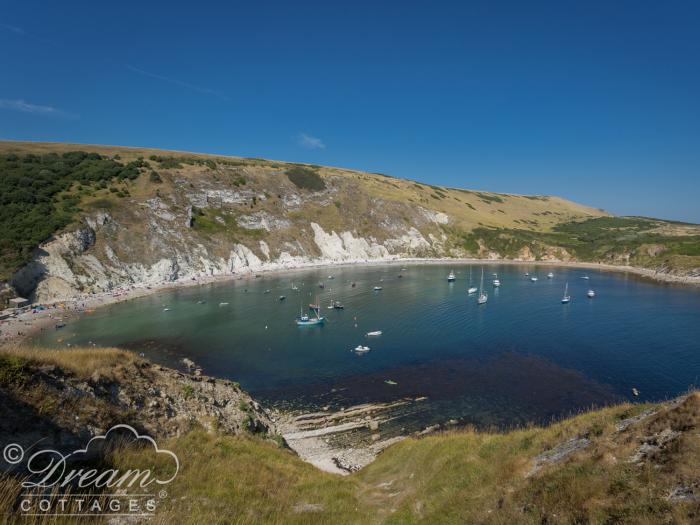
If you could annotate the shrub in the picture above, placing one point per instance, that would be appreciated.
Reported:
(305, 178)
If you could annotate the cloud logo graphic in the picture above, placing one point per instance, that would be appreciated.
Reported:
(51, 468)
(97, 440)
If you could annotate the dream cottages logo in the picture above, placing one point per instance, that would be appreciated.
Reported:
(85, 483)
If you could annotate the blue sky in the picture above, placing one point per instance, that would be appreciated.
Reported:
(598, 102)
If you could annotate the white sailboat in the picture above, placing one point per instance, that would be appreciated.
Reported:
(483, 297)
(451, 277)
(567, 297)
(550, 275)
(496, 282)
(471, 289)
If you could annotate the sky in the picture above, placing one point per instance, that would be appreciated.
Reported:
(595, 101)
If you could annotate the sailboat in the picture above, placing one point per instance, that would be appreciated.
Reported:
(294, 287)
(550, 275)
(471, 289)
(496, 282)
(330, 305)
(567, 297)
(483, 297)
(315, 306)
(451, 277)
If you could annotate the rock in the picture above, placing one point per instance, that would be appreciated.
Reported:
(308, 507)
(558, 454)
(373, 425)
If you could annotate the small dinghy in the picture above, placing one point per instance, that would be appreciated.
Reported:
(166, 309)
(377, 288)
(283, 297)
(223, 304)
(374, 334)
(267, 291)
(590, 294)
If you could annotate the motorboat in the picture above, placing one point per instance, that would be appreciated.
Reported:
(374, 334)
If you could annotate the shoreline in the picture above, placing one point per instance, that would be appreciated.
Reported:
(19, 329)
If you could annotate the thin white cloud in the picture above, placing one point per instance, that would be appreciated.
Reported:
(309, 142)
(14, 29)
(35, 109)
(186, 85)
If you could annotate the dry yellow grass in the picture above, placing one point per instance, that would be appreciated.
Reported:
(83, 362)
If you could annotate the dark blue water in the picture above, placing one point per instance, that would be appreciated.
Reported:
(522, 357)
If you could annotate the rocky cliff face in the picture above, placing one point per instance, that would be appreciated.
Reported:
(47, 403)
(224, 217)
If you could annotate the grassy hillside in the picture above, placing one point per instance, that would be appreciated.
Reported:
(165, 202)
(636, 464)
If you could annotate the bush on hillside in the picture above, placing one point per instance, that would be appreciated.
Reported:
(305, 178)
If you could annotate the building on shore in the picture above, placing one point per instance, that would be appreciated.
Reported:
(18, 302)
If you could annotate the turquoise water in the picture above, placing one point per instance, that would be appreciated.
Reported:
(522, 357)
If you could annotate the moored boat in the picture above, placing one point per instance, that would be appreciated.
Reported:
(483, 296)
(567, 297)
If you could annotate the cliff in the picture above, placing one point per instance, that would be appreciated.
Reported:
(178, 216)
